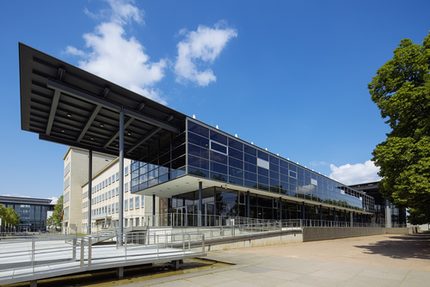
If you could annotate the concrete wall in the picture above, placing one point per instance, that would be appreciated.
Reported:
(324, 233)
(253, 242)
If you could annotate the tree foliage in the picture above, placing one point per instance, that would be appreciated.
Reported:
(9, 215)
(401, 90)
(57, 216)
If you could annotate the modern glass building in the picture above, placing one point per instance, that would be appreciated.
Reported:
(206, 171)
(32, 211)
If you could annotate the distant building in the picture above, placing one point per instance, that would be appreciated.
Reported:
(32, 212)
(385, 213)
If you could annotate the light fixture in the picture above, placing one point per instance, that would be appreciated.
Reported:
(128, 133)
(62, 131)
(217, 127)
(92, 138)
(102, 125)
(69, 115)
(236, 135)
(194, 116)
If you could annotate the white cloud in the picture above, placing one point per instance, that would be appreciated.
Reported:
(355, 173)
(53, 199)
(111, 54)
(200, 48)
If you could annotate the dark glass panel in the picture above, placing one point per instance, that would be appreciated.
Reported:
(198, 172)
(218, 137)
(198, 140)
(235, 172)
(198, 151)
(263, 171)
(235, 144)
(198, 129)
(274, 160)
(235, 180)
(250, 167)
(235, 153)
(198, 162)
(218, 176)
(250, 176)
(218, 168)
(235, 162)
(215, 156)
(250, 150)
(263, 155)
(250, 159)
(263, 180)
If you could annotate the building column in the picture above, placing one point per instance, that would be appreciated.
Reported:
(388, 222)
(303, 210)
(351, 219)
(121, 177)
(199, 207)
(90, 188)
(280, 208)
(248, 207)
(153, 209)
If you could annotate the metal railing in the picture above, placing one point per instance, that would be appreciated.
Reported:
(32, 256)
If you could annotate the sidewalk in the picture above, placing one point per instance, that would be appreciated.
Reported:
(381, 260)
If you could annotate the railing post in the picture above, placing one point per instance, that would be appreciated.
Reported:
(90, 250)
(33, 247)
(125, 248)
(158, 246)
(82, 253)
(74, 248)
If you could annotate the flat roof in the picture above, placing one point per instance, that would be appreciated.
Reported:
(24, 200)
(65, 104)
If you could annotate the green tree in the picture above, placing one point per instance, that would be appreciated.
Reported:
(401, 90)
(9, 216)
(57, 216)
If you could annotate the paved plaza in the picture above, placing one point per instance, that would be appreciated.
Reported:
(382, 260)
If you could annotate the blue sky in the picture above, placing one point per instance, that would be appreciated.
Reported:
(288, 75)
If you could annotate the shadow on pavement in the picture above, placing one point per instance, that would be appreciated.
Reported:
(401, 247)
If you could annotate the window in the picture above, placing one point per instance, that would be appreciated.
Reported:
(137, 202)
(262, 163)
(218, 147)
(292, 174)
(131, 204)
(126, 204)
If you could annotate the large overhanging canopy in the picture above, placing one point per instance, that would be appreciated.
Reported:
(67, 105)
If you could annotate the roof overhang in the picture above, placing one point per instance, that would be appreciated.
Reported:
(188, 183)
(67, 105)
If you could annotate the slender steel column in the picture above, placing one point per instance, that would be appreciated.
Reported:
(199, 210)
(153, 210)
(90, 188)
(351, 219)
(248, 209)
(121, 177)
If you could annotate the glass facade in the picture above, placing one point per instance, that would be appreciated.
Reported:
(209, 153)
(167, 163)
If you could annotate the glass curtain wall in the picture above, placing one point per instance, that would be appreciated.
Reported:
(218, 156)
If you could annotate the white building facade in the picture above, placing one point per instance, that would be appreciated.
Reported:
(105, 194)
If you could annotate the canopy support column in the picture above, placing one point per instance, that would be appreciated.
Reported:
(121, 178)
(90, 188)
